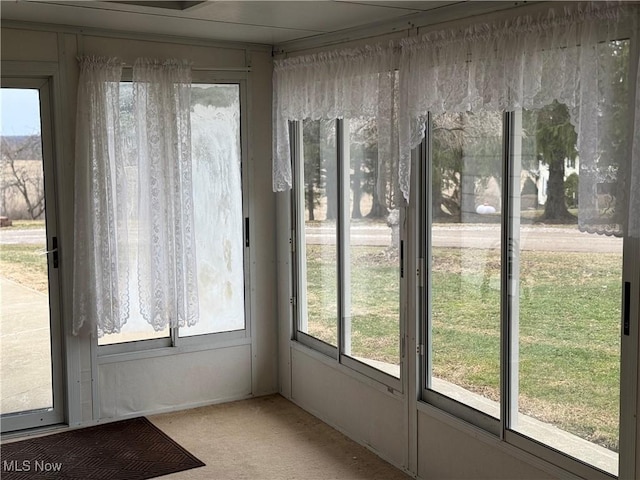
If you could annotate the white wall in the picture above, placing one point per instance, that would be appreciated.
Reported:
(114, 386)
(449, 449)
(353, 404)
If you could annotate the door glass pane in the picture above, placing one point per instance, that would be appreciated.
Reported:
(567, 309)
(217, 203)
(25, 338)
(371, 257)
(465, 262)
(318, 294)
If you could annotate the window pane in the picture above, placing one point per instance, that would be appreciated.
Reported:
(318, 296)
(465, 246)
(372, 262)
(566, 392)
(217, 192)
(216, 156)
(25, 324)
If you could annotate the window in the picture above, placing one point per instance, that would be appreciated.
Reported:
(317, 205)
(348, 247)
(218, 212)
(526, 186)
(465, 258)
(564, 310)
(523, 311)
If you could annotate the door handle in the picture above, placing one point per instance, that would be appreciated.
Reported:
(626, 309)
(53, 251)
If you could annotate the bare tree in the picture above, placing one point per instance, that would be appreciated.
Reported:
(20, 176)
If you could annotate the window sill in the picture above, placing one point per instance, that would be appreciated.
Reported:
(333, 363)
(541, 432)
(166, 351)
(552, 435)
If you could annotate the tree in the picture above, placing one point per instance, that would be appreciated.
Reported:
(615, 125)
(363, 143)
(320, 169)
(571, 190)
(20, 175)
(311, 149)
(465, 154)
(555, 142)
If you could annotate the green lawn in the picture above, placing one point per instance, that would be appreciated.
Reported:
(569, 327)
(569, 323)
(25, 225)
(374, 300)
(25, 264)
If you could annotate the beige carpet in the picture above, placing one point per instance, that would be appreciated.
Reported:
(268, 438)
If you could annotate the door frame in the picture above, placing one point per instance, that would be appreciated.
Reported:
(43, 79)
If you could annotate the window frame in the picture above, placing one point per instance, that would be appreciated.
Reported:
(174, 343)
(458, 411)
(337, 353)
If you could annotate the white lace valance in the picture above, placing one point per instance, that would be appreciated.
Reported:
(357, 83)
(571, 56)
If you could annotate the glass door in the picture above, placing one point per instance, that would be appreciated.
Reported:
(30, 337)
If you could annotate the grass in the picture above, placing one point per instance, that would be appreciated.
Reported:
(375, 324)
(569, 323)
(25, 225)
(26, 265)
(569, 326)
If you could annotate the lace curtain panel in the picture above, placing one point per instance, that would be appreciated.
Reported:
(574, 56)
(100, 264)
(167, 277)
(134, 240)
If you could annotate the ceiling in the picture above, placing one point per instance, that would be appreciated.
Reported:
(262, 22)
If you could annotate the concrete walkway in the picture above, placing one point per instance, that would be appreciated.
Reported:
(25, 349)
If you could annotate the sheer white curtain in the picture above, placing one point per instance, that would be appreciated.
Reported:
(166, 244)
(140, 226)
(575, 56)
(355, 83)
(101, 266)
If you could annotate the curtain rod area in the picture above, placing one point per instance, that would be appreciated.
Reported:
(207, 69)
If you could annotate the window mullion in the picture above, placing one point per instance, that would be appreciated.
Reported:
(510, 268)
(299, 299)
(343, 224)
(425, 246)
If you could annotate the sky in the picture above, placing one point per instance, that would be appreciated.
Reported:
(20, 110)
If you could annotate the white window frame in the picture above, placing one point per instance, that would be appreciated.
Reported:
(339, 353)
(500, 428)
(174, 343)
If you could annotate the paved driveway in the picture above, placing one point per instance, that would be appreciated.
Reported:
(25, 349)
(14, 237)
(532, 237)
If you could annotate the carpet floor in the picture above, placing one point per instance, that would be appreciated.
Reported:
(269, 438)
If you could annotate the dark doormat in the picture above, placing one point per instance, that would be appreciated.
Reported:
(128, 450)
